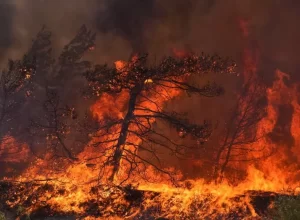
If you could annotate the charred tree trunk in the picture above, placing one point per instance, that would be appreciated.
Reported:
(119, 148)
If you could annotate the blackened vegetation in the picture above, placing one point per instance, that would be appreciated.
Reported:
(107, 202)
(241, 130)
(35, 103)
(144, 84)
(40, 106)
(56, 121)
(70, 63)
(15, 86)
(54, 125)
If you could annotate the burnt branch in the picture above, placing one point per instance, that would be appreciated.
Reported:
(148, 87)
(241, 133)
(54, 126)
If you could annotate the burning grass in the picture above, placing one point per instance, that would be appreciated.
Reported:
(42, 200)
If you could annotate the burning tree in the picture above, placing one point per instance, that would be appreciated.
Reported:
(54, 124)
(241, 131)
(15, 86)
(145, 88)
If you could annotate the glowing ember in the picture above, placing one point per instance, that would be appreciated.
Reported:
(148, 81)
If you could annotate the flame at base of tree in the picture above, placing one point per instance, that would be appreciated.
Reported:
(204, 201)
(77, 189)
(111, 178)
(192, 199)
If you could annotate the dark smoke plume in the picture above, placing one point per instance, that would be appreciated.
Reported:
(127, 19)
(137, 21)
(6, 22)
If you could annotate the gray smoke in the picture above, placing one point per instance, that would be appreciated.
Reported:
(6, 25)
(157, 26)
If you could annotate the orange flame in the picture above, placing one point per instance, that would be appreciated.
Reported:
(270, 174)
(12, 151)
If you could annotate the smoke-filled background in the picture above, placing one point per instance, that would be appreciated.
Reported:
(156, 26)
(159, 26)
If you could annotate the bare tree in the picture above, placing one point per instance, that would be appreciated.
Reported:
(122, 138)
(53, 125)
(241, 129)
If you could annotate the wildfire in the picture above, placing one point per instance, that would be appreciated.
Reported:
(189, 196)
(79, 186)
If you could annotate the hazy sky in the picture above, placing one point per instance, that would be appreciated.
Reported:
(156, 26)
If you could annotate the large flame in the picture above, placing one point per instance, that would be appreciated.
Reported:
(269, 174)
(272, 173)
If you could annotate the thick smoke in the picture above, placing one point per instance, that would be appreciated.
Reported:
(127, 19)
(140, 22)
(63, 18)
(6, 24)
(158, 26)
